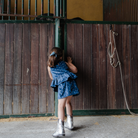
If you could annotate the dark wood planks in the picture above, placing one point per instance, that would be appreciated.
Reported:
(111, 99)
(128, 65)
(87, 57)
(119, 91)
(43, 76)
(17, 69)
(34, 97)
(134, 66)
(79, 64)
(102, 67)
(95, 67)
(23, 68)
(126, 39)
(70, 48)
(26, 68)
(2, 59)
(8, 88)
(50, 92)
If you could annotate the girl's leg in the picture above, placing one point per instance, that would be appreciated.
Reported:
(69, 122)
(61, 107)
(60, 127)
(69, 106)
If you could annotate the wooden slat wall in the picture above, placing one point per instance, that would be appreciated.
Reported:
(120, 10)
(24, 81)
(99, 83)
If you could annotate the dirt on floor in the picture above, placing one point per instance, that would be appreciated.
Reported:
(53, 118)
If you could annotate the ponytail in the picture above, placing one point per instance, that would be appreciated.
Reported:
(51, 61)
(55, 56)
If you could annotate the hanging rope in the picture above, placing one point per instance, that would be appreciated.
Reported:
(111, 53)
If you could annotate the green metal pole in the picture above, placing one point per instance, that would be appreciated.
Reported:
(8, 8)
(22, 8)
(65, 41)
(48, 7)
(2, 8)
(64, 8)
(57, 25)
(15, 9)
(42, 7)
(54, 7)
(35, 8)
(29, 8)
(57, 44)
(60, 8)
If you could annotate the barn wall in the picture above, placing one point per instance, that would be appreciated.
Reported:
(24, 81)
(120, 10)
(99, 83)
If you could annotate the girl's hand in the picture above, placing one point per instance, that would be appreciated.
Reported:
(69, 60)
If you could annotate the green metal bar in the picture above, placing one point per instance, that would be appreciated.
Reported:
(57, 44)
(35, 8)
(2, 7)
(29, 8)
(100, 22)
(15, 9)
(8, 8)
(103, 112)
(22, 8)
(42, 6)
(25, 21)
(65, 41)
(64, 8)
(60, 8)
(56, 104)
(57, 33)
(19, 15)
(82, 22)
(48, 7)
(27, 115)
(54, 7)
(77, 113)
(57, 8)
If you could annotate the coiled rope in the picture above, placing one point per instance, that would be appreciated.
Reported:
(112, 62)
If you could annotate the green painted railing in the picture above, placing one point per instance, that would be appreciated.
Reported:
(58, 6)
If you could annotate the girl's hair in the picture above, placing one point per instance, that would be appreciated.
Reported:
(55, 56)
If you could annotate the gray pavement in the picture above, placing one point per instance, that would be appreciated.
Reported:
(85, 127)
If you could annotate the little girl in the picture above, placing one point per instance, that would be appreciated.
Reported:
(63, 82)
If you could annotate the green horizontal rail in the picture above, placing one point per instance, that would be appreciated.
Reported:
(103, 112)
(77, 113)
(59, 10)
(25, 21)
(99, 22)
(27, 115)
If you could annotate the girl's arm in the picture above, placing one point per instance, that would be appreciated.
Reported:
(49, 72)
(72, 67)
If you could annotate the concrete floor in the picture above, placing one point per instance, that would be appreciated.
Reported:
(85, 127)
